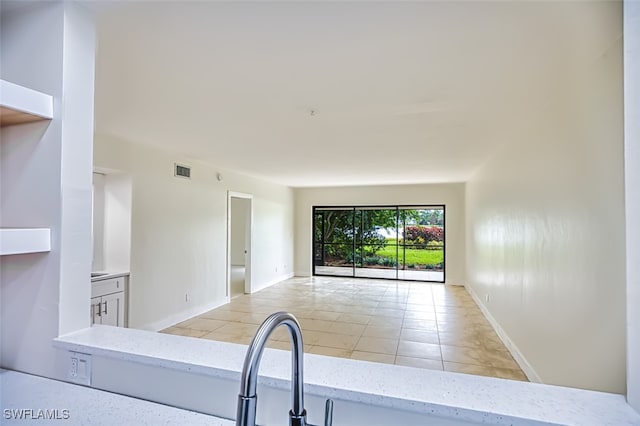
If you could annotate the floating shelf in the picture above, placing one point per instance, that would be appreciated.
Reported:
(20, 241)
(21, 105)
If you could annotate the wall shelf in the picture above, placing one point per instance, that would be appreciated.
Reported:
(22, 105)
(21, 241)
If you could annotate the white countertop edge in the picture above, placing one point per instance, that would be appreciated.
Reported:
(109, 275)
(146, 359)
(473, 398)
(86, 405)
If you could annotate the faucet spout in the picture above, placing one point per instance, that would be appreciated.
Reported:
(247, 399)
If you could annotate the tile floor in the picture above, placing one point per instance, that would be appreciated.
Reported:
(406, 323)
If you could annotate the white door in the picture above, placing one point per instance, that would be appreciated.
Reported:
(239, 244)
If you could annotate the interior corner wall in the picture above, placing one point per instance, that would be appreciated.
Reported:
(97, 236)
(46, 182)
(179, 235)
(117, 222)
(632, 188)
(451, 195)
(545, 233)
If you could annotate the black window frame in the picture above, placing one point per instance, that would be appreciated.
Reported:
(354, 209)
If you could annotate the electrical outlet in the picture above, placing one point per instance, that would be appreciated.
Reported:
(79, 368)
(73, 371)
(187, 297)
(487, 298)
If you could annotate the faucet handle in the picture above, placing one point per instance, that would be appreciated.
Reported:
(328, 413)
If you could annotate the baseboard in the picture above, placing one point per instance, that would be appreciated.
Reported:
(182, 316)
(274, 281)
(511, 347)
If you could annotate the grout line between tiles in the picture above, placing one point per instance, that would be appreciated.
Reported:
(335, 299)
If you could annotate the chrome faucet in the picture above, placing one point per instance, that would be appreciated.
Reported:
(247, 399)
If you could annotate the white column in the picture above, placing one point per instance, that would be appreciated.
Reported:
(45, 181)
(77, 168)
(632, 193)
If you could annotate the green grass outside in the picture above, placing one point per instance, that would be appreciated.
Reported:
(413, 256)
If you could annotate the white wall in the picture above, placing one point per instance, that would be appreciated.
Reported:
(117, 221)
(545, 232)
(97, 222)
(45, 179)
(179, 235)
(451, 195)
(632, 181)
(111, 221)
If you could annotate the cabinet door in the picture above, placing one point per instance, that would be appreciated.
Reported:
(122, 309)
(95, 311)
(112, 309)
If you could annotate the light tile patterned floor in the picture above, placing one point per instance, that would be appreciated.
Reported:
(406, 323)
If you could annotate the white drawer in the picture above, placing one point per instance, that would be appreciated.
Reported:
(108, 286)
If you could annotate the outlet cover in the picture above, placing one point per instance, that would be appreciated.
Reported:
(79, 368)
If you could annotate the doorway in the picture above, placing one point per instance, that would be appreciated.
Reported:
(239, 219)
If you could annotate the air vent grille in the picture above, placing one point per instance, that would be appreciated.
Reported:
(182, 171)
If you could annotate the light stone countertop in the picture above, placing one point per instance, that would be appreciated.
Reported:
(79, 405)
(465, 397)
(108, 275)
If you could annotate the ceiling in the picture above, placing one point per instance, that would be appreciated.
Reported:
(338, 93)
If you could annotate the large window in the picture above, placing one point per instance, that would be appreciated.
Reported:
(392, 242)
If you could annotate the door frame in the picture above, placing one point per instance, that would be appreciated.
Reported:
(248, 240)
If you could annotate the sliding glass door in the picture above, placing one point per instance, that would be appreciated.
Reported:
(390, 242)
(421, 246)
(333, 241)
(376, 242)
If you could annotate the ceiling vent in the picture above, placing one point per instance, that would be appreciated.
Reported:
(182, 171)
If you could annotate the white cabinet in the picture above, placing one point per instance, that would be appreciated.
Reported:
(109, 301)
(108, 310)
